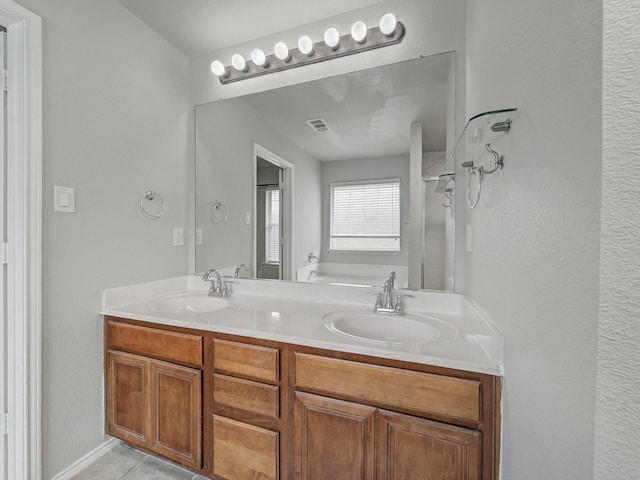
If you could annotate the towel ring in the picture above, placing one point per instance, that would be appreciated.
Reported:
(155, 198)
(218, 212)
(478, 172)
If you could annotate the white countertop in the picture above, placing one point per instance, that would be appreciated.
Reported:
(293, 313)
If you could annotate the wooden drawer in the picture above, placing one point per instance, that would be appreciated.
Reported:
(390, 387)
(260, 363)
(172, 346)
(246, 395)
(242, 451)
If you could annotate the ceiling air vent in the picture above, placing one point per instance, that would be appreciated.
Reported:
(318, 125)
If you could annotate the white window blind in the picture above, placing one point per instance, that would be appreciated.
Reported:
(365, 216)
(272, 226)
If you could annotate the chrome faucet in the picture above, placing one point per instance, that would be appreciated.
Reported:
(240, 267)
(218, 288)
(388, 305)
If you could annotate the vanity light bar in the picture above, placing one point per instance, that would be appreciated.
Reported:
(361, 39)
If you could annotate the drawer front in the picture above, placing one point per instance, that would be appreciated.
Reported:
(242, 451)
(260, 363)
(172, 346)
(246, 395)
(391, 387)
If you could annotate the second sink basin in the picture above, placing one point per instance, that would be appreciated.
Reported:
(188, 303)
(386, 329)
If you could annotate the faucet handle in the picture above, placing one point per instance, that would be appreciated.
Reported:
(398, 306)
(378, 301)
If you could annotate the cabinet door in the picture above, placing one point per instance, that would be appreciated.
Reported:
(333, 439)
(242, 451)
(128, 397)
(410, 448)
(177, 412)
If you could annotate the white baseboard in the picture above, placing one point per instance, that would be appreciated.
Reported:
(87, 460)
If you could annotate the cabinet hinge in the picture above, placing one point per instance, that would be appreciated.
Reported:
(4, 424)
(3, 80)
(3, 253)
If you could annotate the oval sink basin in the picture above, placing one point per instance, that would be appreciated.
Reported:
(188, 303)
(385, 329)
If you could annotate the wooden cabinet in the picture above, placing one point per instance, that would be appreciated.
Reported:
(333, 439)
(129, 397)
(152, 403)
(242, 451)
(246, 420)
(345, 430)
(237, 408)
(410, 447)
(176, 412)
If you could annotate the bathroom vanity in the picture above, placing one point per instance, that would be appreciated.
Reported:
(262, 387)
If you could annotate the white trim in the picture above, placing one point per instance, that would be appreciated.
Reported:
(72, 470)
(287, 207)
(24, 182)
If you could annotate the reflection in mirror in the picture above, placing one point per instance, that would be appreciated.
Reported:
(335, 181)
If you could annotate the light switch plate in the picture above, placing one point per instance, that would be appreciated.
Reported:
(64, 199)
(468, 239)
(178, 237)
(198, 236)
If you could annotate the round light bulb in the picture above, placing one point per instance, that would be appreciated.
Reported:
(359, 31)
(258, 57)
(388, 24)
(332, 38)
(238, 62)
(282, 51)
(217, 67)
(305, 45)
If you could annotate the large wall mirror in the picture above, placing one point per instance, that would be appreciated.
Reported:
(339, 180)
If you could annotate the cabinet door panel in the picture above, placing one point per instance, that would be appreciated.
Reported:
(245, 360)
(333, 439)
(128, 397)
(410, 448)
(242, 451)
(246, 395)
(154, 342)
(177, 412)
(393, 388)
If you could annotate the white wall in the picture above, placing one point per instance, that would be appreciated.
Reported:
(226, 132)
(115, 126)
(618, 383)
(534, 262)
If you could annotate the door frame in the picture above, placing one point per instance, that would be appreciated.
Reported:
(287, 208)
(24, 238)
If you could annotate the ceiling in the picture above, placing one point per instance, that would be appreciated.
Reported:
(369, 113)
(196, 27)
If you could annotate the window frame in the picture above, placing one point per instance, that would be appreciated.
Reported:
(332, 235)
(269, 225)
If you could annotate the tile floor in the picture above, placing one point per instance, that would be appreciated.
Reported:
(125, 463)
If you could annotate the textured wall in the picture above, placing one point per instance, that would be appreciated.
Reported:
(115, 126)
(617, 445)
(534, 261)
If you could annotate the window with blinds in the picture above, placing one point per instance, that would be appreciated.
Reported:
(272, 226)
(365, 216)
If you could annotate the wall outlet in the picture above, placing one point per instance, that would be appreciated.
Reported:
(468, 238)
(178, 237)
(198, 236)
(247, 218)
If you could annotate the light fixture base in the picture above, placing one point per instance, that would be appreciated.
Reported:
(321, 52)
